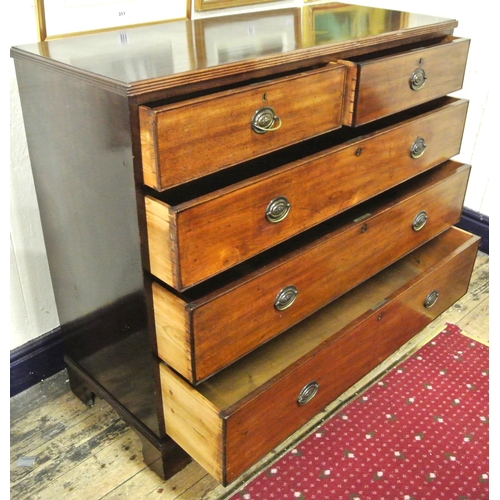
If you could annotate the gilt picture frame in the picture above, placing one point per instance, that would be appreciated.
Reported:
(205, 5)
(61, 18)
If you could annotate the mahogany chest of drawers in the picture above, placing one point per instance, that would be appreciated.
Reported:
(241, 227)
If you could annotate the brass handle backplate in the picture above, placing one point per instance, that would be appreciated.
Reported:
(285, 298)
(418, 147)
(431, 299)
(420, 220)
(265, 120)
(307, 393)
(418, 79)
(277, 209)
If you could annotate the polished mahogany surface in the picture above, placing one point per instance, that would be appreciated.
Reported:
(163, 51)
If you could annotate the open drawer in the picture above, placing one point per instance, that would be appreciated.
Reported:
(379, 86)
(204, 329)
(193, 234)
(188, 139)
(234, 418)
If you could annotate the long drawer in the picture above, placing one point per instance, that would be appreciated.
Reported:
(192, 138)
(190, 240)
(227, 423)
(377, 87)
(203, 330)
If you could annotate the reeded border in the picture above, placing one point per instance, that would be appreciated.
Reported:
(41, 23)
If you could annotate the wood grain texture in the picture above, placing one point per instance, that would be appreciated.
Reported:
(202, 135)
(321, 271)
(351, 86)
(193, 422)
(173, 328)
(383, 84)
(148, 147)
(162, 246)
(221, 229)
(255, 427)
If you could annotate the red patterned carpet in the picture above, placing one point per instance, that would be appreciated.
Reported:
(421, 432)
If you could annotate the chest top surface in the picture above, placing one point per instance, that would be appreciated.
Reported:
(178, 52)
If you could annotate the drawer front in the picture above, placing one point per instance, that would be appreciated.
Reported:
(190, 139)
(227, 440)
(188, 244)
(391, 84)
(280, 295)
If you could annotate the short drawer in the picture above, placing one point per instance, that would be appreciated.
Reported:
(233, 419)
(190, 240)
(189, 139)
(378, 87)
(204, 329)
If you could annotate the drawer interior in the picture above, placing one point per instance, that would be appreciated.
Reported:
(262, 365)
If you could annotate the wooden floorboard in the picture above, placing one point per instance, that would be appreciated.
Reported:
(87, 453)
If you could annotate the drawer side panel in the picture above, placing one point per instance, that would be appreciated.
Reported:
(148, 147)
(192, 422)
(172, 330)
(351, 89)
(162, 241)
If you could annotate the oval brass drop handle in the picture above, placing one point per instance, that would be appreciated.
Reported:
(277, 209)
(418, 79)
(308, 392)
(420, 220)
(265, 120)
(431, 299)
(417, 149)
(285, 298)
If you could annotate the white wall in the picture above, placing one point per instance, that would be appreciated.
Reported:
(32, 306)
(32, 309)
